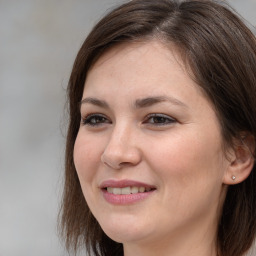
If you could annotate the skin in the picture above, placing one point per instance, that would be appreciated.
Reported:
(180, 153)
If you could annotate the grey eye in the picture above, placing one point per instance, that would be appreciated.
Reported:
(95, 119)
(159, 119)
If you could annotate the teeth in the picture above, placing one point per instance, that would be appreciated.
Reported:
(110, 190)
(134, 190)
(117, 191)
(127, 190)
(142, 189)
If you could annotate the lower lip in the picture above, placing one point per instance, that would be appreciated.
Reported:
(125, 199)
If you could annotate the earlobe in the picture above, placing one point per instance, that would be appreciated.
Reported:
(241, 162)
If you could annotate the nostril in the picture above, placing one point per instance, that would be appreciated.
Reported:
(123, 164)
(112, 166)
(117, 157)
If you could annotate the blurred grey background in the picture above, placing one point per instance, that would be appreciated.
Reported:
(39, 40)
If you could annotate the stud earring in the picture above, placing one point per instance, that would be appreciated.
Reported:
(233, 177)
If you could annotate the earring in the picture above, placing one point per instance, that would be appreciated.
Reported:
(233, 177)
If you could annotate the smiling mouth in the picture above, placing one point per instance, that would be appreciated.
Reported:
(127, 190)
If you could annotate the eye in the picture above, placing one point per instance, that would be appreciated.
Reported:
(95, 120)
(159, 119)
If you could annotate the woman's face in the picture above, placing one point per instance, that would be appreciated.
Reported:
(148, 153)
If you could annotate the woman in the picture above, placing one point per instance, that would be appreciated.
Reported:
(161, 140)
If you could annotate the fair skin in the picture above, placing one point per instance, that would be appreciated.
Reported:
(146, 121)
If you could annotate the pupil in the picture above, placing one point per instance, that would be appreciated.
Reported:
(159, 119)
(99, 119)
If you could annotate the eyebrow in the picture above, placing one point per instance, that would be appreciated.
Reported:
(94, 101)
(147, 102)
(139, 103)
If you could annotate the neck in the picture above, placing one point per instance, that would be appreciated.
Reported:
(177, 248)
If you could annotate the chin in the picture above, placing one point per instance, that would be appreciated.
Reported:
(125, 236)
(125, 231)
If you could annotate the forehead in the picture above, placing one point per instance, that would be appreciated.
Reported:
(140, 48)
(147, 64)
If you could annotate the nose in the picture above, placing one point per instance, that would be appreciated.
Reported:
(122, 149)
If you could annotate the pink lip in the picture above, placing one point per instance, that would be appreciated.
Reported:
(124, 183)
(124, 199)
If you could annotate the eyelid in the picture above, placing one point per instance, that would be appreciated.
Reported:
(93, 114)
(86, 119)
(170, 119)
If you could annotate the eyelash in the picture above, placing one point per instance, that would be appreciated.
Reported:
(158, 120)
(161, 119)
(98, 120)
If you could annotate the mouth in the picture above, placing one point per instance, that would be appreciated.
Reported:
(127, 190)
(122, 192)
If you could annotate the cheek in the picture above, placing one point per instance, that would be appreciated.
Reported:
(190, 171)
(86, 158)
(187, 158)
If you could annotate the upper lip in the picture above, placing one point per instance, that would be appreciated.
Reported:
(124, 183)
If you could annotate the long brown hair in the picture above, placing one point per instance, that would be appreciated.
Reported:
(221, 53)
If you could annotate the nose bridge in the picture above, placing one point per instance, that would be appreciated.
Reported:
(122, 134)
(122, 147)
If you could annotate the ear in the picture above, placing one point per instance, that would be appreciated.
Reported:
(241, 160)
